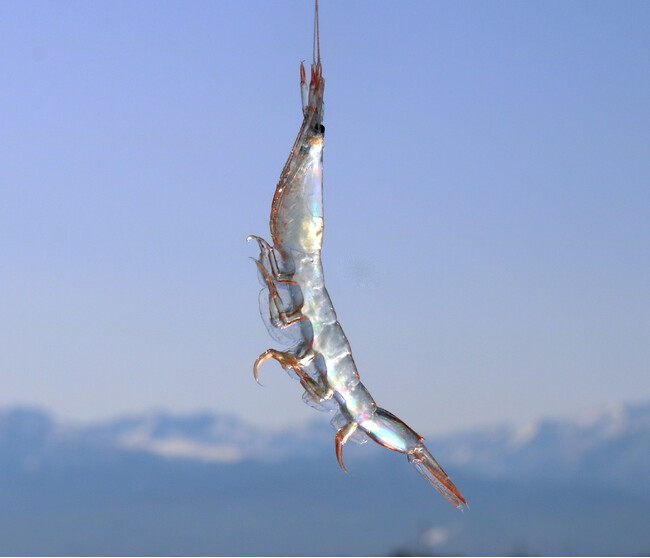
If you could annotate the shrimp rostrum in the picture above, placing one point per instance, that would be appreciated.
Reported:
(298, 311)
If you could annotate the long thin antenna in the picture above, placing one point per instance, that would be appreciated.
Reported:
(316, 49)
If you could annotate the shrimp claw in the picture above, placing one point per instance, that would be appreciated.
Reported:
(289, 361)
(286, 360)
(342, 436)
(267, 252)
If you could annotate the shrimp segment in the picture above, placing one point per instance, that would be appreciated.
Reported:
(295, 301)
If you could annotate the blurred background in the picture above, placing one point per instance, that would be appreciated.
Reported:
(487, 248)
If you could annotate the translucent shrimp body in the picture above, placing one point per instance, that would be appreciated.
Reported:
(298, 311)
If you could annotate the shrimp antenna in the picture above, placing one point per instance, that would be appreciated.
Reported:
(316, 47)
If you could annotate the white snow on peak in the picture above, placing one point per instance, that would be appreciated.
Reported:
(178, 447)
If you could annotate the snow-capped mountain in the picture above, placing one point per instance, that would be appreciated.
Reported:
(612, 447)
(208, 437)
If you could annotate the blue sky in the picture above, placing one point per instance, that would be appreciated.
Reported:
(487, 193)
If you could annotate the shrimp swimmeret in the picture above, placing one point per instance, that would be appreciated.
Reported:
(298, 311)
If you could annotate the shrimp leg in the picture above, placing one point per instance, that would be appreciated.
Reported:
(284, 317)
(287, 360)
(267, 251)
(342, 436)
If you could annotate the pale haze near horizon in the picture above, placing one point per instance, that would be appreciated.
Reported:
(487, 193)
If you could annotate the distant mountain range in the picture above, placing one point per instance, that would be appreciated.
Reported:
(204, 483)
(612, 447)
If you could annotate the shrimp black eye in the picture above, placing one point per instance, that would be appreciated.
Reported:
(321, 129)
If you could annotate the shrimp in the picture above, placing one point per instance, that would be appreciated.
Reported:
(298, 311)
